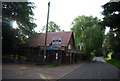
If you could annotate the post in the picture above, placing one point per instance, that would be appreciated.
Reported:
(44, 59)
(60, 56)
(80, 48)
(70, 57)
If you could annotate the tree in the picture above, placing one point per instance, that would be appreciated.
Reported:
(81, 23)
(111, 19)
(111, 43)
(52, 27)
(92, 39)
(22, 13)
(87, 30)
(9, 39)
(111, 14)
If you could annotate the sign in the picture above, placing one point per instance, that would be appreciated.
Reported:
(81, 44)
(50, 48)
(56, 42)
(56, 56)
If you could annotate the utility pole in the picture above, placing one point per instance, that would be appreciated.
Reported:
(44, 59)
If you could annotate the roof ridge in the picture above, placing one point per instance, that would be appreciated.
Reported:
(57, 32)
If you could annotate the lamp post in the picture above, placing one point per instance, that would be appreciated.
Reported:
(44, 60)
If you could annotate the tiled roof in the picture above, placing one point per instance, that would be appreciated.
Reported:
(39, 39)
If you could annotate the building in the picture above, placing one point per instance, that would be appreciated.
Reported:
(60, 48)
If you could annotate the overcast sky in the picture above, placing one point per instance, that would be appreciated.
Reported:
(62, 12)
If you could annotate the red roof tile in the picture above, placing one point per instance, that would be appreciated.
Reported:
(39, 39)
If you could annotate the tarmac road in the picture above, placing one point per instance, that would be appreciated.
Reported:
(98, 69)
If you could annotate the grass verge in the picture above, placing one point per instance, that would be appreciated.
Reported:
(113, 62)
(51, 65)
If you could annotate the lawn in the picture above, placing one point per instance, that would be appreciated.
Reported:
(113, 62)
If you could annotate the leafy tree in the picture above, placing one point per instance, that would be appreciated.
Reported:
(88, 31)
(111, 19)
(112, 15)
(81, 23)
(22, 13)
(52, 27)
(92, 39)
(108, 42)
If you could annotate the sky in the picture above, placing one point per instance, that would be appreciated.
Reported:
(63, 12)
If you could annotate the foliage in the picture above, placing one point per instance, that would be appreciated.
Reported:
(108, 42)
(106, 59)
(112, 15)
(110, 53)
(80, 23)
(22, 13)
(92, 39)
(52, 27)
(112, 19)
(87, 30)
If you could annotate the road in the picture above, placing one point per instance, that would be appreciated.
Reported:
(99, 69)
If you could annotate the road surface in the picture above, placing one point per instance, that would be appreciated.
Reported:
(99, 69)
